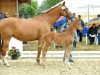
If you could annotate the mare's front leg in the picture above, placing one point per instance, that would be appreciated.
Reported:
(39, 52)
(68, 55)
(5, 52)
(44, 51)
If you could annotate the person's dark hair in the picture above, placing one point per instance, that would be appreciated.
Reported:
(98, 15)
(93, 24)
(79, 15)
(99, 25)
(73, 13)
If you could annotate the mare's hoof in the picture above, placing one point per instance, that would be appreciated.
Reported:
(8, 65)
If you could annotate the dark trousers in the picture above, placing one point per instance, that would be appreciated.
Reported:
(80, 35)
(74, 44)
(64, 58)
(91, 39)
(0, 44)
(99, 38)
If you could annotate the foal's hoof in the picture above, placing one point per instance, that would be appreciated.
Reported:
(69, 66)
(38, 61)
(44, 66)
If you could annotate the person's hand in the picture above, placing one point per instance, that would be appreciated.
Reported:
(81, 31)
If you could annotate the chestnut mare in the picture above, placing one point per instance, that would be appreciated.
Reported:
(64, 38)
(30, 29)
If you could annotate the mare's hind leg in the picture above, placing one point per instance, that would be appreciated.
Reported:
(68, 55)
(4, 51)
(44, 51)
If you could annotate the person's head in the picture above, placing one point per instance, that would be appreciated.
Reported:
(98, 15)
(73, 14)
(94, 25)
(6, 15)
(16, 15)
(98, 26)
(79, 16)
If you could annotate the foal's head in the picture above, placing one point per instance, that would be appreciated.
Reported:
(77, 24)
(64, 10)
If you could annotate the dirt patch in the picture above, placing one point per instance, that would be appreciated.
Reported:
(54, 67)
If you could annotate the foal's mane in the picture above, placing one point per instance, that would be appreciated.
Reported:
(45, 11)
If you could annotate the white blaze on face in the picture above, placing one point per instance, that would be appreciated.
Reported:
(63, 7)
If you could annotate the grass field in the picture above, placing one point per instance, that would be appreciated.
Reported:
(32, 46)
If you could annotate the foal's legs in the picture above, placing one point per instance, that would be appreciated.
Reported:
(4, 52)
(68, 55)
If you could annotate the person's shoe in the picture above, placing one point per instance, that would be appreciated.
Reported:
(57, 46)
(71, 61)
(91, 43)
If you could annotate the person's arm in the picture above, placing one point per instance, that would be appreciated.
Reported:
(82, 22)
(89, 31)
(96, 31)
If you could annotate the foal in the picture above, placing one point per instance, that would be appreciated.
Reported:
(65, 38)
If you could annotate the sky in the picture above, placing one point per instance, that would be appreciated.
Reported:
(80, 7)
(39, 2)
(84, 7)
(76, 5)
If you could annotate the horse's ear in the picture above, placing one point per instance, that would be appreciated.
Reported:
(63, 3)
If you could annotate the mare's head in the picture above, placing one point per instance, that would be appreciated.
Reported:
(60, 9)
(77, 25)
(64, 10)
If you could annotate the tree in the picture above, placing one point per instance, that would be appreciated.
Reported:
(46, 4)
(28, 10)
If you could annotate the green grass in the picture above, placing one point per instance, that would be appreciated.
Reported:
(32, 46)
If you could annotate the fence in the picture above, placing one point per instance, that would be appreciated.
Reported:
(60, 54)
